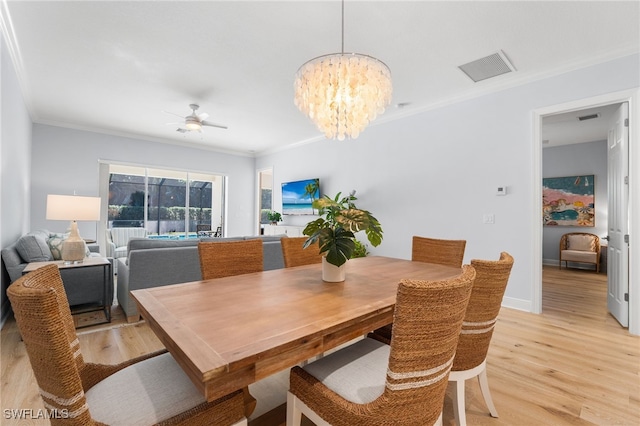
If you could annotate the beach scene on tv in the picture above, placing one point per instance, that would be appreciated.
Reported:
(298, 196)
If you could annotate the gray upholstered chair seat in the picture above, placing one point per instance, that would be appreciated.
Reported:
(357, 372)
(148, 392)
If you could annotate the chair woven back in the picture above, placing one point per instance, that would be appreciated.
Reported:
(429, 250)
(295, 255)
(43, 317)
(427, 320)
(442, 252)
(229, 258)
(595, 240)
(484, 305)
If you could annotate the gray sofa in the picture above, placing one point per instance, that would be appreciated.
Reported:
(154, 263)
(82, 285)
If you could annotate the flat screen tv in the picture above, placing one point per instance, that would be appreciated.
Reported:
(297, 196)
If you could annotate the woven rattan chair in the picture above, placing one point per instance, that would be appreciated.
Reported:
(442, 252)
(404, 383)
(295, 255)
(477, 330)
(147, 390)
(226, 259)
(580, 247)
(430, 250)
(229, 258)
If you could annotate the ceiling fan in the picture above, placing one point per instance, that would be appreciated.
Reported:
(194, 121)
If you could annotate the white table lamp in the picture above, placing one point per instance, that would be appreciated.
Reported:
(73, 208)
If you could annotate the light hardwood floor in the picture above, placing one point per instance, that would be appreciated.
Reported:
(572, 365)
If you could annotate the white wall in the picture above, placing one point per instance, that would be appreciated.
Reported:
(436, 173)
(576, 160)
(66, 160)
(15, 157)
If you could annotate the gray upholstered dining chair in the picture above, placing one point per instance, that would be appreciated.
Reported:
(147, 390)
(404, 383)
(295, 255)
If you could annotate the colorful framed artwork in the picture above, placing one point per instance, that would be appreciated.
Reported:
(568, 201)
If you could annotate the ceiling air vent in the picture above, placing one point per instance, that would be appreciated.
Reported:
(588, 117)
(487, 67)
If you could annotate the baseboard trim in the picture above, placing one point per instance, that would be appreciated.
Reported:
(519, 304)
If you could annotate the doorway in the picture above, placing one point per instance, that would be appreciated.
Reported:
(631, 97)
(265, 197)
(575, 162)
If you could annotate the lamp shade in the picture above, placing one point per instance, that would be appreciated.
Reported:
(73, 207)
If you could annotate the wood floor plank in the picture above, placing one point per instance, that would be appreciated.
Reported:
(571, 365)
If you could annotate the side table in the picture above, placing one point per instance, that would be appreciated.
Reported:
(88, 262)
(604, 251)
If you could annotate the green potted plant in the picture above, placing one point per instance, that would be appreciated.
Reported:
(360, 250)
(274, 217)
(335, 231)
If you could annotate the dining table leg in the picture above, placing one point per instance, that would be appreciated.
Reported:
(249, 402)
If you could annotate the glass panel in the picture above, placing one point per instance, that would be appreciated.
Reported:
(165, 192)
(266, 194)
(126, 199)
(205, 204)
(200, 204)
(167, 201)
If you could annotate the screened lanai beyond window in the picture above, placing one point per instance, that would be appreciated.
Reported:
(167, 203)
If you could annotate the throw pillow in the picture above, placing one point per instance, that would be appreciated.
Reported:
(581, 242)
(55, 245)
(33, 248)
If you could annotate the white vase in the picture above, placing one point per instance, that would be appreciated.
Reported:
(332, 273)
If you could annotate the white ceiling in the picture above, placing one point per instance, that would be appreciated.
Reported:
(114, 67)
(567, 128)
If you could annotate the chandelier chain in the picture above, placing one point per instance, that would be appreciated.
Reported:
(342, 51)
(343, 92)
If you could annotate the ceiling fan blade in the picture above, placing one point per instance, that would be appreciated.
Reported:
(173, 113)
(210, 124)
(181, 130)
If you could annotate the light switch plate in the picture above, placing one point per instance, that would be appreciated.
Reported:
(502, 190)
(489, 218)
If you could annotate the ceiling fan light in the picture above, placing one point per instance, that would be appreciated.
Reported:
(193, 125)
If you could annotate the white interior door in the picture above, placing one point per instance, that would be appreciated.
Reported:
(618, 221)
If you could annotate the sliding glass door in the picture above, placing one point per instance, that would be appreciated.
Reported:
(168, 203)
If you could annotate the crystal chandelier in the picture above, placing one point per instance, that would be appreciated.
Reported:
(343, 92)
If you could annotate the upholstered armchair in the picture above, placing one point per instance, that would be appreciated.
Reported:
(117, 239)
(580, 247)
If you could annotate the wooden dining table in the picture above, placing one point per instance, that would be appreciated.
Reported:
(227, 333)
